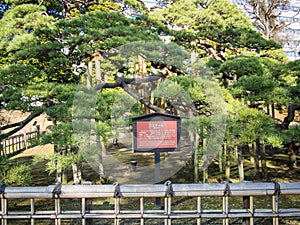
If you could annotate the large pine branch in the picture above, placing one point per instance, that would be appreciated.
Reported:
(19, 125)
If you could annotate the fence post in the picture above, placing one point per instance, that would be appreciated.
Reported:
(25, 140)
(117, 196)
(226, 204)
(168, 201)
(142, 210)
(32, 211)
(87, 204)
(56, 195)
(199, 210)
(2, 151)
(3, 204)
(275, 207)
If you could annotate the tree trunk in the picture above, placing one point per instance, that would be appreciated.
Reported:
(256, 154)
(273, 110)
(263, 161)
(292, 156)
(291, 115)
(239, 158)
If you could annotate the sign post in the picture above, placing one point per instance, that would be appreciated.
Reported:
(156, 132)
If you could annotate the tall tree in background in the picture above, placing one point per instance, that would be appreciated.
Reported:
(264, 14)
(216, 29)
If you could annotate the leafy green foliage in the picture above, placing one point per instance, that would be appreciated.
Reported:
(292, 134)
(61, 136)
(18, 25)
(16, 175)
(245, 125)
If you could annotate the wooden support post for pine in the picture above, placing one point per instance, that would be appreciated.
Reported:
(220, 156)
(239, 158)
(143, 90)
(227, 163)
(194, 137)
(89, 81)
(95, 138)
(98, 72)
(196, 166)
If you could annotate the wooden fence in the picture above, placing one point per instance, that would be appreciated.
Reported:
(133, 204)
(17, 143)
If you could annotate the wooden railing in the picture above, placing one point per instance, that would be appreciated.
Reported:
(17, 143)
(134, 204)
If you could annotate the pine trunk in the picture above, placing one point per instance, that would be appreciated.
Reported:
(292, 157)
(256, 152)
(255, 159)
(263, 161)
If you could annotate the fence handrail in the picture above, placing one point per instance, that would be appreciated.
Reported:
(154, 190)
(86, 193)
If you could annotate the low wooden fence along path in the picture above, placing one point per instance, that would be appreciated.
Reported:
(17, 143)
(128, 203)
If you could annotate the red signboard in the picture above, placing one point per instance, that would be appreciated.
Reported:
(156, 134)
